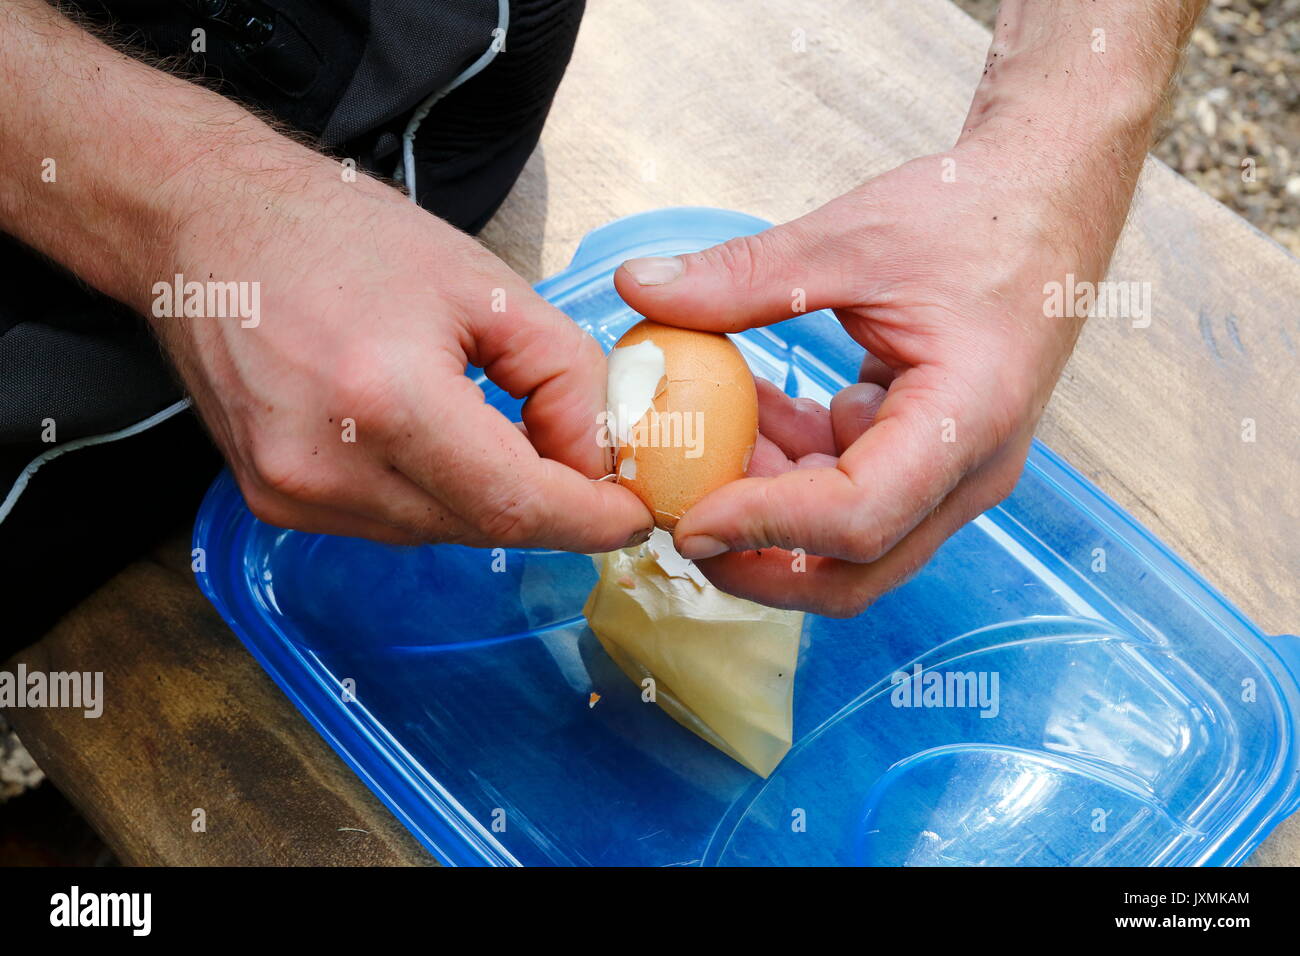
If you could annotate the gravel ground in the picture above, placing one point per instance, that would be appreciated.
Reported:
(18, 771)
(1238, 99)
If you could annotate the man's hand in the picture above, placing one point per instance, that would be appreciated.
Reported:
(939, 270)
(343, 407)
(347, 410)
(942, 284)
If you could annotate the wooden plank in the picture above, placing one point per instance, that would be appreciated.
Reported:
(192, 722)
(676, 103)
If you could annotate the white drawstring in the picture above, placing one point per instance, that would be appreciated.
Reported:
(406, 172)
(143, 425)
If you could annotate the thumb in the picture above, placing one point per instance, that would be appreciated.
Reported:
(533, 350)
(742, 283)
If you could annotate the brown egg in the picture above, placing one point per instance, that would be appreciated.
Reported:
(683, 413)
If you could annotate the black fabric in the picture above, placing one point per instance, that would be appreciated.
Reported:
(70, 355)
(407, 59)
(87, 514)
(346, 72)
(291, 58)
(474, 142)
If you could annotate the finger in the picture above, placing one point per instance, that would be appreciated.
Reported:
(767, 459)
(742, 283)
(332, 478)
(852, 411)
(381, 493)
(817, 460)
(531, 349)
(280, 511)
(798, 426)
(884, 484)
(875, 371)
(836, 588)
(487, 473)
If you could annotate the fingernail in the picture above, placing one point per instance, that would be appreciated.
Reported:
(639, 537)
(700, 546)
(654, 271)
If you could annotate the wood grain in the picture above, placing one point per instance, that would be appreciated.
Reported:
(676, 103)
(191, 722)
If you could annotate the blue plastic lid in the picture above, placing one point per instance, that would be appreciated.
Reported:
(1138, 717)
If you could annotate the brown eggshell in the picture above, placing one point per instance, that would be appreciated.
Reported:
(700, 433)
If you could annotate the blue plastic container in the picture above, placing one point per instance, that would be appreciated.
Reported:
(1140, 719)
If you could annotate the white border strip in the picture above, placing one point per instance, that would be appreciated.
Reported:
(21, 482)
(407, 169)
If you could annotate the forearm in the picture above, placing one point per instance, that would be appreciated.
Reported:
(1070, 96)
(112, 167)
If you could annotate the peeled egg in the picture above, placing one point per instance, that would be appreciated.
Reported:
(682, 413)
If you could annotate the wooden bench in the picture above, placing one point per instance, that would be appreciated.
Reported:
(674, 102)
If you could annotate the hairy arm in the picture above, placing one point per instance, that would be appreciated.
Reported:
(1073, 89)
(106, 160)
(370, 308)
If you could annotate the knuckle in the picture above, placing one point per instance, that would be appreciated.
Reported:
(1002, 485)
(362, 388)
(1004, 420)
(1007, 405)
(763, 526)
(746, 261)
(283, 469)
(846, 605)
(439, 527)
(510, 518)
(587, 352)
(768, 525)
(402, 538)
(866, 540)
(738, 256)
(265, 506)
